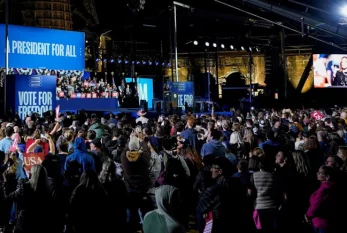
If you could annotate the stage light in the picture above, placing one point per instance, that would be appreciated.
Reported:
(133, 62)
(86, 41)
(242, 48)
(250, 49)
(119, 61)
(150, 63)
(163, 64)
(137, 63)
(144, 62)
(196, 42)
(126, 61)
(257, 49)
(344, 11)
(97, 60)
(207, 44)
(156, 63)
(214, 45)
(112, 61)
(169, 64)
(231, 47)
(105, 60)
(222, 46)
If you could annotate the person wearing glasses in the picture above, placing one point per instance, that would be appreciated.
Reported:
(225, 198)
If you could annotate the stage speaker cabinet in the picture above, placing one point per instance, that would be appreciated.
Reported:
(144, 105)
(178, 110)
(158, 107)
(205, 107)
(197, 107)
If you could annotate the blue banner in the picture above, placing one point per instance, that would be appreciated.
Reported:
(145, 89)
(41, 48)
(182, 93)
(34, 94)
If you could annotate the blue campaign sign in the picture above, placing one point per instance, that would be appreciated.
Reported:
(41, 48)
(145, 89)
(34, 94)
(183, 92)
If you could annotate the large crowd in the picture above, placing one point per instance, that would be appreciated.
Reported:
(265, 170)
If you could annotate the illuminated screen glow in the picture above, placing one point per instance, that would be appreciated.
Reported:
(330, 70)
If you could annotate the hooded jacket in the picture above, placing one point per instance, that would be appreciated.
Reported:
(136, 169)
(214, 147)
(81, 155)
(162, 220)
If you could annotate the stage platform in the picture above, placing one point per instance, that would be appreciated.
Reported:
(133, 112)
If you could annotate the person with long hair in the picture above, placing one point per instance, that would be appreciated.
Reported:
(117, 193)
(322, 210)
(33, 199)
(88, 204)
(341, 74)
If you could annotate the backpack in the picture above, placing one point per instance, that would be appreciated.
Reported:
(171, 174)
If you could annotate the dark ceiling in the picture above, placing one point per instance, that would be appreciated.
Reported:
(207, 20)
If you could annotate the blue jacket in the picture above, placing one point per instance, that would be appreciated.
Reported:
(191, 136)
(214, 147)
(81, 155)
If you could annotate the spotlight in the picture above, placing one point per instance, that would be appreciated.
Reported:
(86, 41)
(344, 11)
(119, 61)
(133, 62)
(242, 48)
(250, 49)
(156, 63)
(144, 62)
(222, 46)
(126, 61)
(207, 44)
(214, 45)
(97, 60)
(105, 60)
(163, 64)
(196, 42)
(231, 47)
(169, 64)
(138, 63)
(257, 49)
(112, 60)
(150, 63)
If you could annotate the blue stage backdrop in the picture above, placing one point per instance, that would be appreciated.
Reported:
(26, 94)
(41, 48)
(145, 89)
(182, 92)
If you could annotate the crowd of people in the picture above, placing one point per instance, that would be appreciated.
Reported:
(76, 87)
(267, 170)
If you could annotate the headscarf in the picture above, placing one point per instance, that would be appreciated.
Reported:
(163, 218)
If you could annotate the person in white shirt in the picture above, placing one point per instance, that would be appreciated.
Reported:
(141, 113)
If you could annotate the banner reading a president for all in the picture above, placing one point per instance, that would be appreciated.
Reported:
(34, 94)
(42, 48)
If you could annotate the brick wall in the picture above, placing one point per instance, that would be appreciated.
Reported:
(229, 64)
(295, 67)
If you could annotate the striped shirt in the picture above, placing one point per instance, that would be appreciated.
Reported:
(269, 192)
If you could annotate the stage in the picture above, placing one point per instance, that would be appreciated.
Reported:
(110, 105)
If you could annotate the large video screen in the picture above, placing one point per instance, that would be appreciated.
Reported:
(330, 70)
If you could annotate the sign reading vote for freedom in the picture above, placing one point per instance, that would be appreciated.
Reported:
(34, 94)
(41, 48)
(183, 92)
